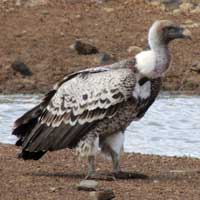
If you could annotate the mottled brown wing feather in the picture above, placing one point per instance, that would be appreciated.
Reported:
(75, 109)
(48, 138)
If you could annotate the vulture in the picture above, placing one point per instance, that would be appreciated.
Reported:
(89, 110)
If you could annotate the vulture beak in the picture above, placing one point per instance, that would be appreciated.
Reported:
(187, 34)
(177, 32)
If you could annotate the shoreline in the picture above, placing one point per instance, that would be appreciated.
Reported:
(56, 174)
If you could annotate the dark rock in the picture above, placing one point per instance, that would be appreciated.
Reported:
(107, 194)
(88, 185)
(170, 1)
(84, 48)
(21, 68)
(166, 1)
(104, 58)
(170, 4)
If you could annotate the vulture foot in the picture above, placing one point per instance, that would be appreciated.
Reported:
(129, 175)
(101, 176)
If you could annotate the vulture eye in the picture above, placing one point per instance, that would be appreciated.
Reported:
(172, 29)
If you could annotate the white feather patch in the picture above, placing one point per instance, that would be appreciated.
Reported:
(143, 91)
(115, 141)
(146, 63)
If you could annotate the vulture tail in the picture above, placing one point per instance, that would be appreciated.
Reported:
(27, 155)
(25, 124)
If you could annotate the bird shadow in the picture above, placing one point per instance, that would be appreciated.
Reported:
(97, 176)
(107, 176)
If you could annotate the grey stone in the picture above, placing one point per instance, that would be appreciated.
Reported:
(104, 58)
(170, 4)
(84, 48)
(107, 194)
(88, 185)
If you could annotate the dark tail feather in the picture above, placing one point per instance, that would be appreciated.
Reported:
(26, 155)
(24, 125)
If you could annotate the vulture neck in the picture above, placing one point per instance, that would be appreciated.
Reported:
(160, 48)
(162, 60)
(153, 63)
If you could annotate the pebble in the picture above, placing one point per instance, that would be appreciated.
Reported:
(107, 194)
(32, 3)
(172, 4)
(184, 171)
(45, 12)
(84, 48)
(78, 16)
(189, 21)
(21, 33)
(62, 34)
(186, 7)
(156, 181)
(18, 3)
(196, 10)
(155, 3)
(196, 67)
(87, 185)
(107, 9)
(176, 11)
(103, 58)
(52, 189)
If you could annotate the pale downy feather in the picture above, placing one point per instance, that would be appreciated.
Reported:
(146, 63)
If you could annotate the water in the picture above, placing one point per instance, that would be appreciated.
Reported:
(12, 107)
(170, 127)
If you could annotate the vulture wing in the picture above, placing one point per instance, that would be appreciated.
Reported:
(74, 107)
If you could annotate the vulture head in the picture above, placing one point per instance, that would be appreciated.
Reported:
(164, 31)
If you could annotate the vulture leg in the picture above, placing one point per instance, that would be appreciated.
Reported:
(112, 146)
(88, 147)
(115, 160)
(91, 166)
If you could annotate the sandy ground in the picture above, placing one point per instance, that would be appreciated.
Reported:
(40, 36)
(56, 175)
